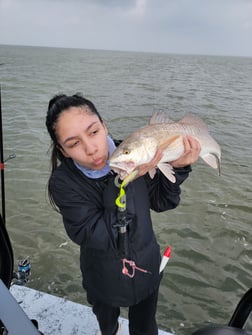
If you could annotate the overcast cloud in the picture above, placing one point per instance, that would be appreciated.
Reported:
(221, 27)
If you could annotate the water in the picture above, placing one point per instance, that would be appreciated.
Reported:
(210, 232)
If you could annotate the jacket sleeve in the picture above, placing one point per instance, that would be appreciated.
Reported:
(163, 194)
(86, 218)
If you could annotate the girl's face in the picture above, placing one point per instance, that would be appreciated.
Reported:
(83, 137)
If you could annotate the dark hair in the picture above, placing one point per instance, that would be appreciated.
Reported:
(56, 106)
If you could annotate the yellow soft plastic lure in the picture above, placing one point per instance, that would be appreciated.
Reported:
(120, 200)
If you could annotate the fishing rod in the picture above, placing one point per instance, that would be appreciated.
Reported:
(128, 266)
(6, 271)
(2, 161)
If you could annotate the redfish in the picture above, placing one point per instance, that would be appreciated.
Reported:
(167, 135)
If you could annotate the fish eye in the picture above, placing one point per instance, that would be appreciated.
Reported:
(126, 151)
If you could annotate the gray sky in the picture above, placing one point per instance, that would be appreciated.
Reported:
(214, 27)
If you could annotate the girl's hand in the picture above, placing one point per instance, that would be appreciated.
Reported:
(191, 153)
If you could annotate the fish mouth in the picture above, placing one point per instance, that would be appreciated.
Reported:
(117, 169)
(120, 170)
(118, 166)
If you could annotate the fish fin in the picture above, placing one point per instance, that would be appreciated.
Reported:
(212, 160)
(190, 119)
(168, 171)
(171, 139)
(160, 117)
(152, 173)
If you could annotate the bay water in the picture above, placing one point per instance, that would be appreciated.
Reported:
(210, 232)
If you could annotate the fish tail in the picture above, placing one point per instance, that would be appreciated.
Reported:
(213, 160)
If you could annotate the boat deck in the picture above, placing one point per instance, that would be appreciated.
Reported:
(58, 316)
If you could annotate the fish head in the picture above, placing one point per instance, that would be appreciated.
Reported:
(131, 153)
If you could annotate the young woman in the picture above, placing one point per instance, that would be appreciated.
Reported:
(83, 188)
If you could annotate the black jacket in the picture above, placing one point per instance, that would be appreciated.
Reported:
(90, 216)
